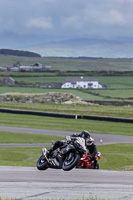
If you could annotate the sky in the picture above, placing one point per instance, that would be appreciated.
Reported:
(109, 19)
(34, 24)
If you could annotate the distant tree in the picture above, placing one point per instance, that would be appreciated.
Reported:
(18, 53)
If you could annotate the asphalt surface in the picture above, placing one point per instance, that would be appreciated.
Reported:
(106, 138)
(30, 183)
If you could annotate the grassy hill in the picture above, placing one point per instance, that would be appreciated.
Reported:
(18, 53)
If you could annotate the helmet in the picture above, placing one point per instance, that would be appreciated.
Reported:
(89, 141)
(85, 134)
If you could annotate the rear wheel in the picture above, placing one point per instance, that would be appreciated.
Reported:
(42, 163)
(70, 161)
(79, 165)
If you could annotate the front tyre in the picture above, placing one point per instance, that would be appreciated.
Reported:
(97, 166)
(70, 161)
(94, 167)
(78, 165)
(42, 163)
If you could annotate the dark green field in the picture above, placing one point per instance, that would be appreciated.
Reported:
(112, 82)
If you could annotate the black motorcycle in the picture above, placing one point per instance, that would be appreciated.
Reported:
(66, 157)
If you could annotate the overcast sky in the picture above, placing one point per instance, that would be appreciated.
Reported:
(83, 18)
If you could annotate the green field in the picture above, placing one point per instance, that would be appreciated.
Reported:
(111, 72)
(113, 82)
(12, 138)
(111, 159)
(112, 95)
(31, 121)
(89, 109)
(65, 64)
(116, 156)
(103, 95)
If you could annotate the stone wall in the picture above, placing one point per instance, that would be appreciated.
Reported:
(39, 98)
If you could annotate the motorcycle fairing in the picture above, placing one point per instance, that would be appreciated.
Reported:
(67, 149)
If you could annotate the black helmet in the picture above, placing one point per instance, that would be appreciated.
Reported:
(85, 134)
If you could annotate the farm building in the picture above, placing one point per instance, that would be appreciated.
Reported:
(81, 82)
(34, 67)
(3, 69)
(7, 81)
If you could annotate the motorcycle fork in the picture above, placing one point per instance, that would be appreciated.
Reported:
(46, 158)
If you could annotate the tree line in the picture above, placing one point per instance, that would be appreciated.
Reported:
(18, 53)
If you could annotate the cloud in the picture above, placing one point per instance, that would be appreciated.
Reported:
(110, 17)
(8, 26)
(40, 23)
(71, 18)
(73, 22)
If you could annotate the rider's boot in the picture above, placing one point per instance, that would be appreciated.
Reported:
(95, 164)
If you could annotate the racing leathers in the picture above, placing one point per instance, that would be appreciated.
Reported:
(93, 151)
(84, 134)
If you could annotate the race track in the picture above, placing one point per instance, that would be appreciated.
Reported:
(30, 183)
(106, 138)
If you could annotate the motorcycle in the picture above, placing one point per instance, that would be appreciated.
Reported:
(86, 163)
(65, 157)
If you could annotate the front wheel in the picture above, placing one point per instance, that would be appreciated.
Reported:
(94, 167)
(70, 161)
(42, 163)
(97, 166)
(78, 165)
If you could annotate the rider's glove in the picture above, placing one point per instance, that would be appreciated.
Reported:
(68, 138)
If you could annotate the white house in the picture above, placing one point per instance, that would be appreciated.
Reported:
(81, 82)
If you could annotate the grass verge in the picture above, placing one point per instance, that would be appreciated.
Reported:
(82, 109)
(114, 157)
(30, 121)
(13, 137)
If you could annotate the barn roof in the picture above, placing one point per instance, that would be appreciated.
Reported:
(74, 80)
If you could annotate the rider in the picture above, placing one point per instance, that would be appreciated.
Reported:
(90, 145)
(84, 134)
